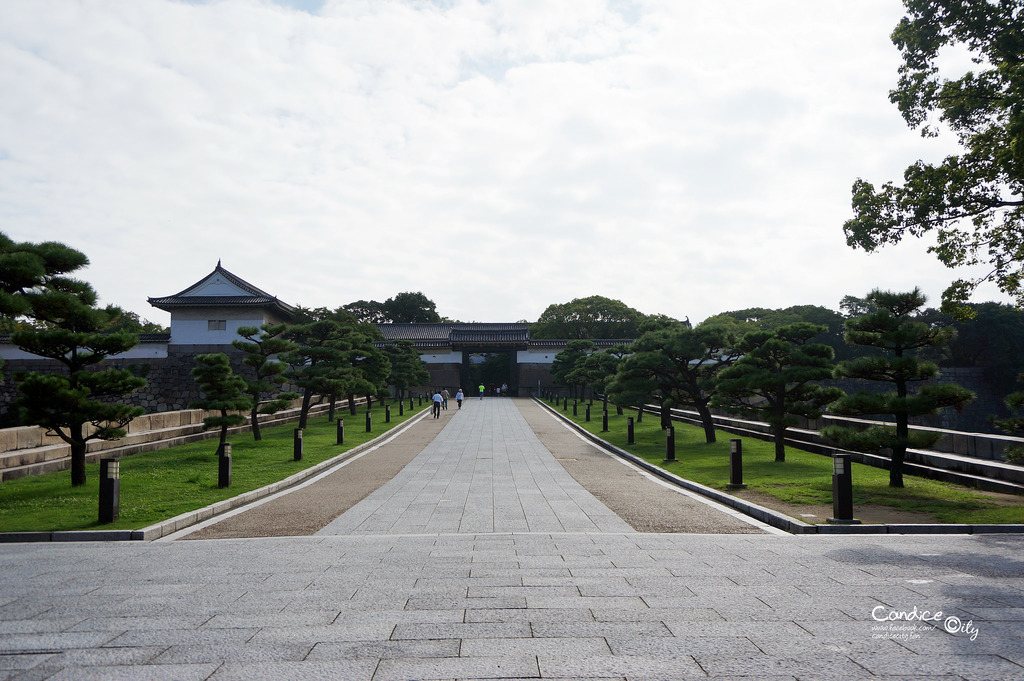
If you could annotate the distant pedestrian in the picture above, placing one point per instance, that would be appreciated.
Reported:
(436, 407)
(459, 397)
(481, 391)
(504, 389)
(445, 395)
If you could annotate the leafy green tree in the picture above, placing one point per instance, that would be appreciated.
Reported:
(771, 320)
(973, 202)
(223, 391)
(318, 363)
(677, 366)
(78, 404)
(993, 340)
(261, 347)
(896, 329)
(27, 270)
(407, 369)
(132, 322)
(588, 318)
(777, 377)
(403, 308)
(598, 369)
(1014, 424)
(411, 308)
(564, 368)
(367, 311)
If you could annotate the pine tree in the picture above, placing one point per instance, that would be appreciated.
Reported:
(261, 346)
(677, 366)
(894, 327)
(223, 391)
(777, 377)
(79, 404)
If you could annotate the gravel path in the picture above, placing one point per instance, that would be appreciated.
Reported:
(646, 504)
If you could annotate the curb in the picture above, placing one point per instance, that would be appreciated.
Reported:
(189, 518)
(775, 518)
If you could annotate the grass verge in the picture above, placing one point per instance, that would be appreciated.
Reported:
(159, 485)
(804, 478)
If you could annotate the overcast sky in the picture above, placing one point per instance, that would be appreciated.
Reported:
(685, 157)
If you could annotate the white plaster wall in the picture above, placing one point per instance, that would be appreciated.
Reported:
(442, 357)
(190, 327)
(536, 356)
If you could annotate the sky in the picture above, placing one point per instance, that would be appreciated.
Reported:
(685, 157)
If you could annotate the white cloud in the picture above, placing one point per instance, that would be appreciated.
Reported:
(685, 157)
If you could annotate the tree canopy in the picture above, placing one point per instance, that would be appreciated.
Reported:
(28, 269)
(972, 202)
(678, 366)
(588, 318)
(403, 308)
(261, 347)
(223, 391)
(896, 328)
(77, 404)
(777, 377)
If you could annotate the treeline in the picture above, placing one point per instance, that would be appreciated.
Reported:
(777, 365)
(53, 315)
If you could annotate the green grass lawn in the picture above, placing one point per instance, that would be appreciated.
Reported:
(159, 485)
(804, 478)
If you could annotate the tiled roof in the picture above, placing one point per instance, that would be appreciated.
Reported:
(256, 298)
(464, 336)
(451, 332)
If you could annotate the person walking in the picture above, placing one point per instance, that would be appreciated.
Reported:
(436, 407)
(444, 396)
(459, 397)
(481, 391)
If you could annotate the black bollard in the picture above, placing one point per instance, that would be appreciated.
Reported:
(110, 490)
(565, 403)
(387, 413)
(735, 464)
(297, 444)
(842, 490)
(670, 444)
(421, 399)
(575, 406)
(587, 414)
(341, 431)
(224, 466)
(368, 423)
(401, 407)
(630, 431)
(604, 420)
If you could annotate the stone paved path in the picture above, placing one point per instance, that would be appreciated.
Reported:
(485, 472)
(570, 603)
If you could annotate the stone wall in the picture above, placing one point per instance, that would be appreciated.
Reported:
(169, 382)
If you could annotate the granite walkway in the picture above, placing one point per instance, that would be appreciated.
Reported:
(548, 588)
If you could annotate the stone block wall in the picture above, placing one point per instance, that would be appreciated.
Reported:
(169, 382)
